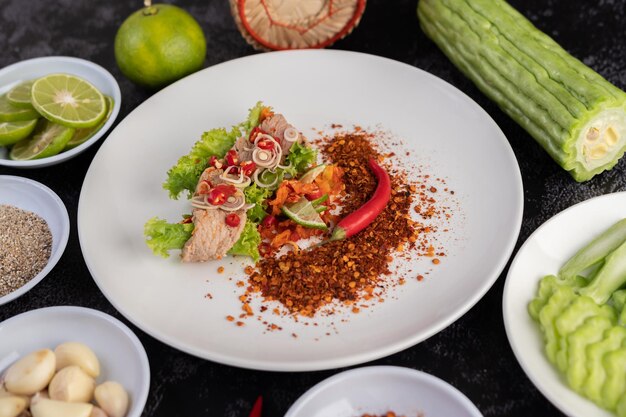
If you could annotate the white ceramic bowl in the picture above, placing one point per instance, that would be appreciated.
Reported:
(379, 389)
(38, 67)
(33, 196)
(543, 253)
(121, 355)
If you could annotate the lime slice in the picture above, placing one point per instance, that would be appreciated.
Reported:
(82, 135)
(68, 100)
(10, 113)
(20, 95)
(12, 132)
(49, 139)
(312, 173)
(303, 213)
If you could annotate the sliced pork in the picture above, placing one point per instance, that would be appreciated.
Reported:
(212, 237)
(276, 126)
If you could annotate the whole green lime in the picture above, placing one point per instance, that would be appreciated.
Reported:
(158, 45)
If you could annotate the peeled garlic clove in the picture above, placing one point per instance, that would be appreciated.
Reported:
(43, 407)
(30, 374)
(97, 412)
(79, 354)
(11, 406)
(73, 385)
(112, 398)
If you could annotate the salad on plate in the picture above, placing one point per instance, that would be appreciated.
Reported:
(261, 172)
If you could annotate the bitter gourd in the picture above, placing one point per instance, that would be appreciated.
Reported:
(575, 114)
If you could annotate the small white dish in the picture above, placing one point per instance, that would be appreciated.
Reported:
(545, 251)
(38, 67)
(35, 197)
(121, 354)
(379, 389)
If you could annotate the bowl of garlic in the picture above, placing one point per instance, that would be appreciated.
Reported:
(71, 362)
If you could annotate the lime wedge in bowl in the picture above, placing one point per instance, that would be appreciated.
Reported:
(49, 139)
(82, 135)
(304, 213)
(10, 113)
(19, 96)
(68, 100)
(13, 132)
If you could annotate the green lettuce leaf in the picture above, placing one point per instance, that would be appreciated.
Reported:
(248, 243)
(257, 196)
(301, 157)
(216, 142)
(162, 236)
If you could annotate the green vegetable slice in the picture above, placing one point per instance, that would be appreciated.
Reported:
(13, 132)
(592, 331)
(595, 251)
(20, 96)
(162, 236)
(10, 113)
(48, 140)
(83, 135)
(577, 116)
(609, 278)
(248, 243)
(613, 339)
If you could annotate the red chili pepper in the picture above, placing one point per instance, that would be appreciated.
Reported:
(269, 221)
(364, 215)
(265, 144)
(218, 195)
(233, 220)
(248, 167)
(257, 407)
(232, 158)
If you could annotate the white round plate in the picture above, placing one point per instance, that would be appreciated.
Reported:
(30, 69)
(545, 251)
(167, 299)
(121, 355)
(35, 197)
(379, 389)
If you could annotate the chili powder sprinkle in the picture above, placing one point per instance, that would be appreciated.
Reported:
(348, 269)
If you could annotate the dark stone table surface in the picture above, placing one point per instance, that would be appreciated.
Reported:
(472, 354)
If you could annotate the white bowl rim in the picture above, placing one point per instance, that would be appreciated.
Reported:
(63, 238)
(138, 403)
(63, 156)
(368, 371)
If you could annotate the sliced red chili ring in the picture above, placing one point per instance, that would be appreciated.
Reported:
(232, 158)
(248, 168)
(266, 144)
(218, 195)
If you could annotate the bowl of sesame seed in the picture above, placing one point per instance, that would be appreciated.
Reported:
(34, 229)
